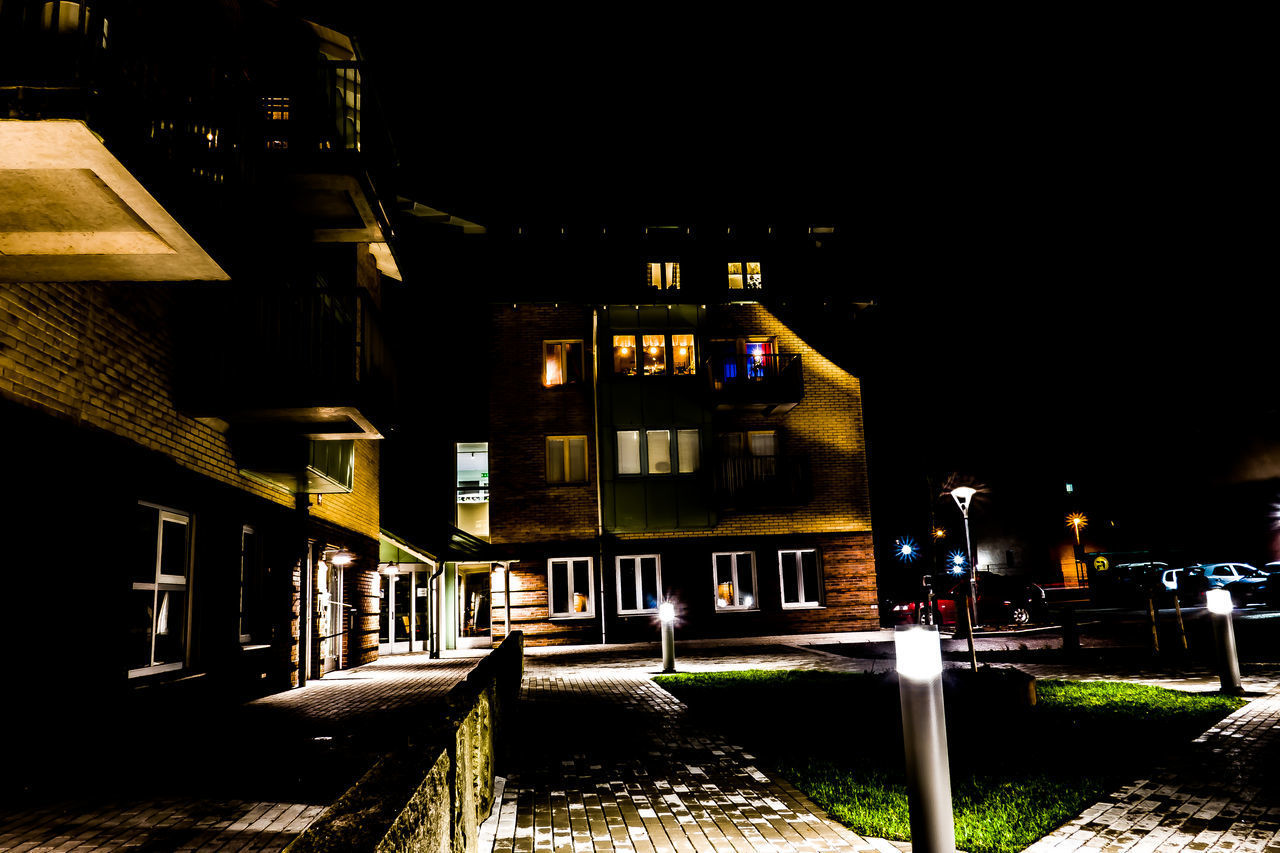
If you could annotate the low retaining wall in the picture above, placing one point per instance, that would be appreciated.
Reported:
(432, 796)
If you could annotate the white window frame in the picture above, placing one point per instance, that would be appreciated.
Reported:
(246, 530)
(169, 583)
(565, 440)
(617, 576)
(674, 457)
(590, 612)
(737, 570)
(804, 603)
(668, 275)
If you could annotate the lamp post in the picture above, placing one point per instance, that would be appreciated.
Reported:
(1219, 603)
(1076, 520)
(667, 616)
(963, 496)
(924, 739)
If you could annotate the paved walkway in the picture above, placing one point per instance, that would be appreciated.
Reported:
(612, 763)
(248, 781)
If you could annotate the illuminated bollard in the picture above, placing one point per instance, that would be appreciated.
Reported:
(924, 736)
(1219, 603)
(667, 616)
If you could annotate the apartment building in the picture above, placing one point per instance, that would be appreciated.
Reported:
(683, 445)
(194, 376)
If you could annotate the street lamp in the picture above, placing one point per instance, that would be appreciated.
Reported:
(1219, 603)
(963, 496)
(924, 739)
(1076, 520)
(667, 616)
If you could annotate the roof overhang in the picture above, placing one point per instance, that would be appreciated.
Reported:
(70, 211)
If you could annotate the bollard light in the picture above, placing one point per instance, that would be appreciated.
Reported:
(924, 739)
(919, 654)
(1218, 601)
(667, 616)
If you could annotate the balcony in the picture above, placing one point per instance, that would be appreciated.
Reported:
(772, 383)
(306, 362)
(753, 482)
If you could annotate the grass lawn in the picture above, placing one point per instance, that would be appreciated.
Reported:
(1017, 773)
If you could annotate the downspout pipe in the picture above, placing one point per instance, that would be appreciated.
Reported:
(595, 427)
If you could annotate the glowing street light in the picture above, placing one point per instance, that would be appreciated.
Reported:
(1219, 603)
(924, 738)
(667, 616)
(1077, 520)
(963, 496)
(907, 550)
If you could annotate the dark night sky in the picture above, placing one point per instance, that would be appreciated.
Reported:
(1090, 233)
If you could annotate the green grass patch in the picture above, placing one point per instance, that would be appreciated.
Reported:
(1017, 773)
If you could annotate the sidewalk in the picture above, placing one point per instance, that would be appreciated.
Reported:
(252, 780)
(612, 763)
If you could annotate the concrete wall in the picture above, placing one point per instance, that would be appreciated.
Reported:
(433, 796)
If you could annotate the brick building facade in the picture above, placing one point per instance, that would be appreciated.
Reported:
(703, 454)
(192, 411)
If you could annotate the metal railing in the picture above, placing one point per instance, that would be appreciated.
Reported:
(763, 480)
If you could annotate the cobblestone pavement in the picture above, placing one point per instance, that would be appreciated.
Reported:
(645, 779)
(611, 763)
(248, 782)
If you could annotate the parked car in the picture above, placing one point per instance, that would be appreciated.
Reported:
(1169, 579)
(1245, 583)
(1002, 600)
(1130, 584)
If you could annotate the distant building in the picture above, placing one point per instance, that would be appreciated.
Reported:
(671, 439)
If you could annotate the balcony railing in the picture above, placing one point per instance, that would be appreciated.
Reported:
(775, 380)
(762, 481)
(288, 354)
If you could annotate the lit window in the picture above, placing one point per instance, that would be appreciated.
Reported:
(664, 275)
(744, 275)
(628, 451)
(61, 15)
(658, 442)
(624, 355)
(800, 578)
(688, 450)
(569, 588)
(639, 584)
(276, 109)
(562, 363)
(655, 354)
(735, 580)
(682, 359)
(275, 144)
(566, 459)
(157, 620)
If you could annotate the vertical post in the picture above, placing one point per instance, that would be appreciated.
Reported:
(506, 598)
(1151, 618)
(1182, 630)
(667, 616)
(924, 739)
(1219, 603)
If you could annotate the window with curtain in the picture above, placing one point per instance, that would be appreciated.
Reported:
(655, 354)
(624, 355)
(562, 363)
(566, 459)
(682, 356)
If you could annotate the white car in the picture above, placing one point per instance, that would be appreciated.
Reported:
(1169, 578)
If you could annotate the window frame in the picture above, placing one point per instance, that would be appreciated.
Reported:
(563, 362)
(586, 460)
(590, 612)
(249, 564)
(715, 582)
(743, 275)
(639, 584)
(674, 456)
(633, 362)
(168, 583)
(668, 275)
(803, 603)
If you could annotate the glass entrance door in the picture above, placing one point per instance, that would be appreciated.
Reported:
(329, 615)
(403, 618)
(474, 630)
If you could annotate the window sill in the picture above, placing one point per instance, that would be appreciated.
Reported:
(254, 647)
(627, 613)
(577, 617)
(737, 610)
(154, 670)
(804, 607)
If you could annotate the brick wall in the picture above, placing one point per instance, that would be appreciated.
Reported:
(523, 505)
(102, 356)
